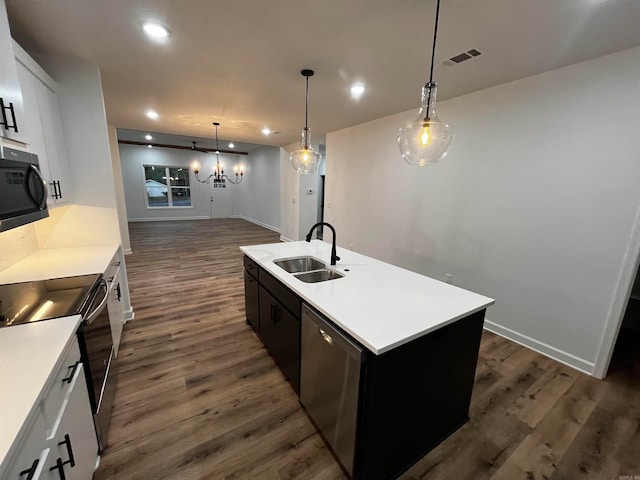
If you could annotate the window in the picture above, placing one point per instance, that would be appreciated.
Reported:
(167, 186)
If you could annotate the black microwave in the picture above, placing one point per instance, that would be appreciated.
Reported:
(23, 190)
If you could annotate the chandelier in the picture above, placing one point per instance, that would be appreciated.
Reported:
(218, 177)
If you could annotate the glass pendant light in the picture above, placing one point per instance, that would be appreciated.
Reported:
(305, 160)
(426, 140)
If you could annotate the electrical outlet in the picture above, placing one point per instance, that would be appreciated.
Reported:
(449, 278)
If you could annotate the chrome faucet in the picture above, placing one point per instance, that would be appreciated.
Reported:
(334, 257)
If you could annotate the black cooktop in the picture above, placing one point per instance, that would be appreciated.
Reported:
(45, 299)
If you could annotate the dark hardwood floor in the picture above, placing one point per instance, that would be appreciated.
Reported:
(199, 397)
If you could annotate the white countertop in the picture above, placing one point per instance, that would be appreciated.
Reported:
(29, 355)
(60, 262)
(380, 305)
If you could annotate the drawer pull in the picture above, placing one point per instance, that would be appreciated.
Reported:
(118, 292)
(31, 471)
(67, 441)
(73, 368)
(60, 467)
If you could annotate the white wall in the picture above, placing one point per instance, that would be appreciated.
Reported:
(534, 206)
(119, 188)
(259, 198)
(299, 209)
(255, 199)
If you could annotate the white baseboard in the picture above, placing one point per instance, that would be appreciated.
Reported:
(547, 350)
(285, 239)
(129, 315)
(127, 251)
(267, 226)
(162, 219)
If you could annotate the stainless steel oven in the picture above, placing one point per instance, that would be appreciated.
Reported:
(96, 347)
(86, 295)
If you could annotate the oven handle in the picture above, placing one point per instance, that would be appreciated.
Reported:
(91, 317)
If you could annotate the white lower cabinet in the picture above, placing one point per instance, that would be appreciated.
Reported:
(118, 303)
(74, 444)
(62, 446)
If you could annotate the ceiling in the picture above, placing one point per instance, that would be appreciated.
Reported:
(238, 62)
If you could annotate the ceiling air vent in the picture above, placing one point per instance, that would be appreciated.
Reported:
(462, 57)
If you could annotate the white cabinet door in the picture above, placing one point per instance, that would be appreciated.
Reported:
(10, 92)
(32, 454)
(75, 448)
(60, 192)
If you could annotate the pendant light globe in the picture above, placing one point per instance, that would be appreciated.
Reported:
(426, 140)
(305, 160)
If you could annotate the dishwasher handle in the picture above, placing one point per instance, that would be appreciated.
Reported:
(332, 336)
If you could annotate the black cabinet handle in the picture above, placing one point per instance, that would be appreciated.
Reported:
(60, 467)
(73, 368)
(67, 441)
(31, 471)
(57, 189)
(5, 120)
(118, 292)
(276, 313)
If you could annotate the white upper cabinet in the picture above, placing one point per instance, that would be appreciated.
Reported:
(60, 189)
(42, 119)
(11, 107)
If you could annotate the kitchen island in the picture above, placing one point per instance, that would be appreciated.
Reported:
(419, 339)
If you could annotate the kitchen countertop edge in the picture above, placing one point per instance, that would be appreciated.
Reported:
(321, 250)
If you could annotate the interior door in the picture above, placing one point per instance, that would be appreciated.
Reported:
(220, 201)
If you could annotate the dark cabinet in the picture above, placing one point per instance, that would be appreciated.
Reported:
(251, 301)
(280, 332)
(273, 311)
(251, 296)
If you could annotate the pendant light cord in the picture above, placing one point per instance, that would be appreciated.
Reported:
(433, 59)
(306, 107)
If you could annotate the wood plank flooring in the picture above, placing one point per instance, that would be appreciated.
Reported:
(199, 397)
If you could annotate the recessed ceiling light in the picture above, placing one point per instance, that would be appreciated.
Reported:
(266, 131)
(231, 145)
(357, 89)
(149, 146)
(152, 114)
(148, 137)
(155, 30)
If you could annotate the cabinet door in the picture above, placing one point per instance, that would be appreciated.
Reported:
(31, 458)
(251, 301)
(9, 84)
(75, 448)
(280, 333)
(115, 306)
(54, 144)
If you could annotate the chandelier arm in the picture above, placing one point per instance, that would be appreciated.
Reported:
(206, 180)
(230, 180)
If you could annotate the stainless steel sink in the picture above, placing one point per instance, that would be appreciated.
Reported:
(299, 264)
(318, 276)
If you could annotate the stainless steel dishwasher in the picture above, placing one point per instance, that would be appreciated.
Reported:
(330, 383)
